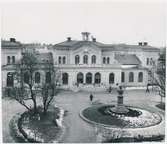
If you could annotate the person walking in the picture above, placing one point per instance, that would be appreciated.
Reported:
(110, 89)
(91, 97)
(147, 90)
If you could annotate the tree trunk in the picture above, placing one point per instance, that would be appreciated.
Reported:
(35, 105)
(44, 110)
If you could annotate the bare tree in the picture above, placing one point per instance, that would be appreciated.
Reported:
(49, 89)
(161, 73)
(159, 76)
(24, 90)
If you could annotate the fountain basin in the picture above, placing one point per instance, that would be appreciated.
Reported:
(134, 118)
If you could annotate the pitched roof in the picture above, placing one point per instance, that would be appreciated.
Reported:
(44, 58)
(72, 44)
(127, 59)
(9, 44)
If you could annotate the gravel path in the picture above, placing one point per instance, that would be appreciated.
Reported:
(78, 130)
(9, 109)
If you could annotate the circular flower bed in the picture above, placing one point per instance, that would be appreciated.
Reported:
(38, 127)
(135, 118)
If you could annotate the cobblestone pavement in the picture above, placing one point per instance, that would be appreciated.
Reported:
(78, 130)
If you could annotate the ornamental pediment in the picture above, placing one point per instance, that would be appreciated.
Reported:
(87, 49)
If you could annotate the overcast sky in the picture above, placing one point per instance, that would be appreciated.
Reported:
(110, 22)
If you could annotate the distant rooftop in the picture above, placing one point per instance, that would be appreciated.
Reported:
(127, 59)
(73, 44)
(11, 43)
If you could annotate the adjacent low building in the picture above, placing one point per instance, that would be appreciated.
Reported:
(86, 63)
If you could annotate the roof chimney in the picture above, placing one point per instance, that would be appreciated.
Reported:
(140, 44)
(145, 43)
(12, 40)
(68, 39)
(85, 36)
(94, 39)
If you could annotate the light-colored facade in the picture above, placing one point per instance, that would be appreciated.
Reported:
(90, 64)
(113, 63)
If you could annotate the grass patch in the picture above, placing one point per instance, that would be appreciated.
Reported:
(161, 106)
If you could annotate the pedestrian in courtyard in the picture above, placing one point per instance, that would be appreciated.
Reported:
(110, 89)
(91, 97)
(147, 89)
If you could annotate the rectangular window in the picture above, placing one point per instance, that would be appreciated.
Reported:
(104, 60)
(59, 60)
(8, 59)
(13, 59)
(151, 61)
(147, 61)
(64, 60)
(122, 77)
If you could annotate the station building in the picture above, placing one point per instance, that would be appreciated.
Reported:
(88, 64)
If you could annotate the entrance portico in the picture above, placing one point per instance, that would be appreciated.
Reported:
(83, 77)
(100, 77)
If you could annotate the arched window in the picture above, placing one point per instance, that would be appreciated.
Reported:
(88, 78)
(8, 59)
(122, 76)
(97, 78)
(77, 59)
(26, 77)
(10, 80)
(111, 78)
(131, 77)
(64, 60)
(59, 59)
(48, 77)
(85, 59)
(80, 77)
(140, 77)
(37, 77)
(93, 59)
(108, 60)
(65, 78)
(13, 59)
(104, 60)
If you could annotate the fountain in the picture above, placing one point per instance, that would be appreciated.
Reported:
(120, 107)
(123, 120)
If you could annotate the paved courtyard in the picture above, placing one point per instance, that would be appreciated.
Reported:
(78, 130)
